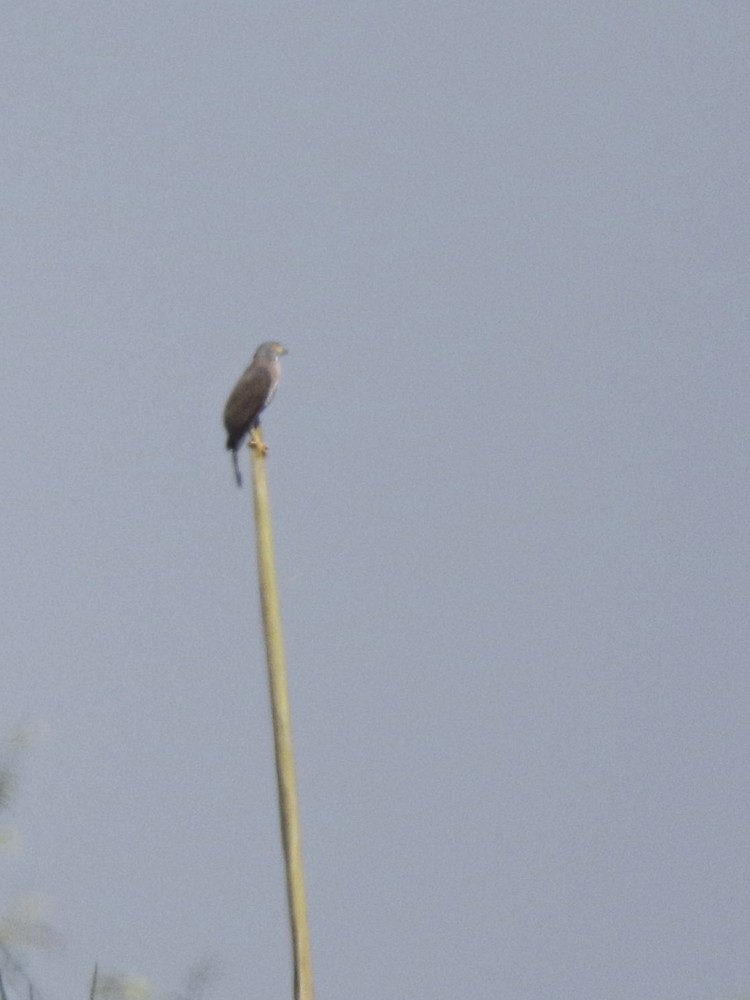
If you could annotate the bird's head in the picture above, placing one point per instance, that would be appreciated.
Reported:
(271, 350)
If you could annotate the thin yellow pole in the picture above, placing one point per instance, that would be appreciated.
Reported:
(282, 729)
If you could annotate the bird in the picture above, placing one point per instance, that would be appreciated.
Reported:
(252, 394)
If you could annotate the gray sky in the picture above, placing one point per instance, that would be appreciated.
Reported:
(507, 246)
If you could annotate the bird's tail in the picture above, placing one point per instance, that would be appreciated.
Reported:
(237, 474)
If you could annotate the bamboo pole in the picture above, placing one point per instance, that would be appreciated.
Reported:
(282, 730)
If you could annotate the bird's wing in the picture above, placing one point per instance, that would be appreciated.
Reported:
(246, 400)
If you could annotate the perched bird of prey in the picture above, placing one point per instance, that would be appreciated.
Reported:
(251, 396)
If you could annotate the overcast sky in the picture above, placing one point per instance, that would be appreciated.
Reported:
(507, 247)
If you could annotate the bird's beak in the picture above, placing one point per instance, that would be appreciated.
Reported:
(283, 351)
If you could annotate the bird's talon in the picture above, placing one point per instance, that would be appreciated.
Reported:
(260, 446)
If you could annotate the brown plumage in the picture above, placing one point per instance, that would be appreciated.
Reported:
(251, 396)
